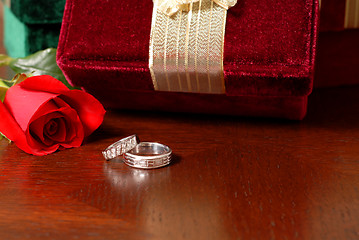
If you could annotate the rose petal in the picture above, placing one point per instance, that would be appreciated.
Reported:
(38, 145)
(38, 133)
(23, 103)
(71, 130)
(71, 134)
(28, 101)
(39, 120)
(75, 131)
(37, 128)
(51, 127)
(89, 109)
(44, 83)
(58, 135)
(34, 91)
(10, 128)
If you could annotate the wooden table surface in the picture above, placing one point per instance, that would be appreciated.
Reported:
(232, 178)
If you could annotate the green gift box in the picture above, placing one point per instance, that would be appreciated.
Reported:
(30, 26)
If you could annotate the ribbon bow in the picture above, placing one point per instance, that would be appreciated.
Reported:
(170, 7)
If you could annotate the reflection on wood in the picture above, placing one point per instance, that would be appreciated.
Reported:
(231, 178)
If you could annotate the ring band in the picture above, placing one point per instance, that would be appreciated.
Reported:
(120, 147)
(148, 155)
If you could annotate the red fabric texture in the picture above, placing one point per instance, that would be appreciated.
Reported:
(332, 15)
(337, 59)
(268, 57)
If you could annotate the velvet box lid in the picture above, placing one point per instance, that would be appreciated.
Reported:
(269, 55)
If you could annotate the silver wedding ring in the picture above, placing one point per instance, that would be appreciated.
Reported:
(145, 155)
(148, 155)
(120, 147)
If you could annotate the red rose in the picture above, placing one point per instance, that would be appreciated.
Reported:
(41, 115)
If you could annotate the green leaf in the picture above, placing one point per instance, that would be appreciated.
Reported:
(3, 89)
(6, 84)
(40, 63)
(3, 136)
(19, 77)
(5, 60)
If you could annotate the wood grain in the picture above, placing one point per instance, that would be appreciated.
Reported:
(232, 178)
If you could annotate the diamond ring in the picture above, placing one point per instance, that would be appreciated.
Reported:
(120, 147)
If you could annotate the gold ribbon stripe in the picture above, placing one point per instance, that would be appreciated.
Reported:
(186, 48)
(351, 14)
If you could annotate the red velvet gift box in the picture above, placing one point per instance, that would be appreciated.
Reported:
(269, 52)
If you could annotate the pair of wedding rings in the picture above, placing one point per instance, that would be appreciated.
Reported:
(145, 155)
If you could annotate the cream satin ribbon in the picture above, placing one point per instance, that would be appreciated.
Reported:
(186, 45)
(351, 14)
(169, 7)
